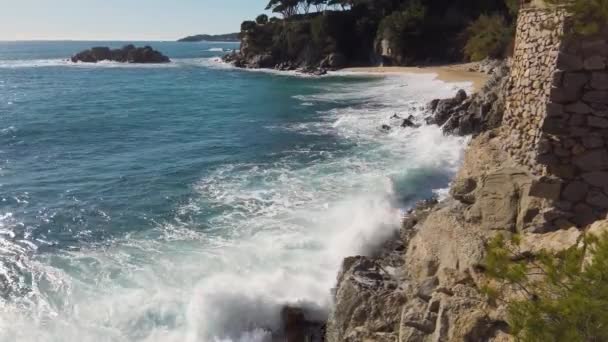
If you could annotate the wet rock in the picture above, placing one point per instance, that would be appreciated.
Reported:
(409, 123)
(126, 54)
(333, 61)
(482, 111)
(300, 325)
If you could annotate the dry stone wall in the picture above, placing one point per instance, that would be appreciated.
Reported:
(556, 119)
(534, 62)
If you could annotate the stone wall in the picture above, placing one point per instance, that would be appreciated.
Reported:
(556, 119)
(537, 44)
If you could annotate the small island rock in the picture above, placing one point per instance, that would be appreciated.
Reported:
(126, 54)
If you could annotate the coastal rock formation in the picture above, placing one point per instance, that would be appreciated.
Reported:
(423, 287)
(541, 172)
(126, 54)
(480, 112)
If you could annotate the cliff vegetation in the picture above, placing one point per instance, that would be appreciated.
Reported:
(335, 33)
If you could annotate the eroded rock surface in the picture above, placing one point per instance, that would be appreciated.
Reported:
(126, 54)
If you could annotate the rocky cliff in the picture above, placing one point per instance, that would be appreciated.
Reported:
(536, 166)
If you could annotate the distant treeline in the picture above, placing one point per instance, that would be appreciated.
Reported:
(230, 37)
(398, 31)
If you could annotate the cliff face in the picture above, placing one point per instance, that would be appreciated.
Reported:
(540, 172)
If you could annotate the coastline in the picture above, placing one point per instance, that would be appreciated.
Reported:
(453, 73)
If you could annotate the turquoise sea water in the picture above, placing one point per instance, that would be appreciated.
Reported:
(190, 201)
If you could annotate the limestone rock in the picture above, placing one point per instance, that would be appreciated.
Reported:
(497, 199)
(462, 190)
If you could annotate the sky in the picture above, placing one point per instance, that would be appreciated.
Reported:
(122, 19)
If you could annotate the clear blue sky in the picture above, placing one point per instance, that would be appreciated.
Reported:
(122, 19)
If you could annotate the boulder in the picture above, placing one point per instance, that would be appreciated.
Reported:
(261, 61)
(299, 325)
(409, 122)
(126, 54)
(462, 115)
(365, 301)
(462, 190)
(333, 61)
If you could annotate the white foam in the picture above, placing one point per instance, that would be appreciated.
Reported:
(282, 231)
(45, 63)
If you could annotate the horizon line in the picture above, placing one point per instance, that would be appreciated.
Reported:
(108, 39)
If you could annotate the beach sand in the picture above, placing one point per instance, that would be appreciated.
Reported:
(446, 73)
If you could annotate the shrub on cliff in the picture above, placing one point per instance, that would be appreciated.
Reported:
(589, 16)
(262, 19)
(553, 296)
(488, 36)
(247, 26)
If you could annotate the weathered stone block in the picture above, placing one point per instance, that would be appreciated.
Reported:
(593, 141)
(578, 108)
(594, 47)
(578, 149)
(548, 159)
(566, 171)
(597, 199)
(575, 80)
(546, 188)
(557, 78)
(583, 215)
(564, 95)
(569, 62)
(577, 120)
(599, 81)
(596, 96)
(555, 126)
(598, 178)
(598, 122)
(594, 63)
(593, 160)
(575, 191)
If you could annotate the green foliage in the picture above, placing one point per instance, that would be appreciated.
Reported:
(248, 25)
(419, 31)
(401, 28)
(513, 6)
(262, 19)
(588, 15)
(558, 296)
(488, 36)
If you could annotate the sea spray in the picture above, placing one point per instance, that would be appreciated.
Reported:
(243, 236)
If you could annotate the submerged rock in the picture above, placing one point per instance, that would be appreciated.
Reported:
(301, 325)
(126, 54)
(409, 122)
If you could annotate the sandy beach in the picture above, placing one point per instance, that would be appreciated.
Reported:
(446, 73)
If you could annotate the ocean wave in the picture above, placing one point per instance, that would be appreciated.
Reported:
(45, 63)
(278, 233)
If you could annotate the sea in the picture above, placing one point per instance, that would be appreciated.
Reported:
(192, 201)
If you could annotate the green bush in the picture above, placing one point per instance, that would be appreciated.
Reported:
(247, 25)
(589, 15)
(558, 296)
(262, 19)
(488, 36)
(402, 27)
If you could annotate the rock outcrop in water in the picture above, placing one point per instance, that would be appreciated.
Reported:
(464, 115)
(126, 54)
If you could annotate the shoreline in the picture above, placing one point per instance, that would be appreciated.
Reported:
(453, 73)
